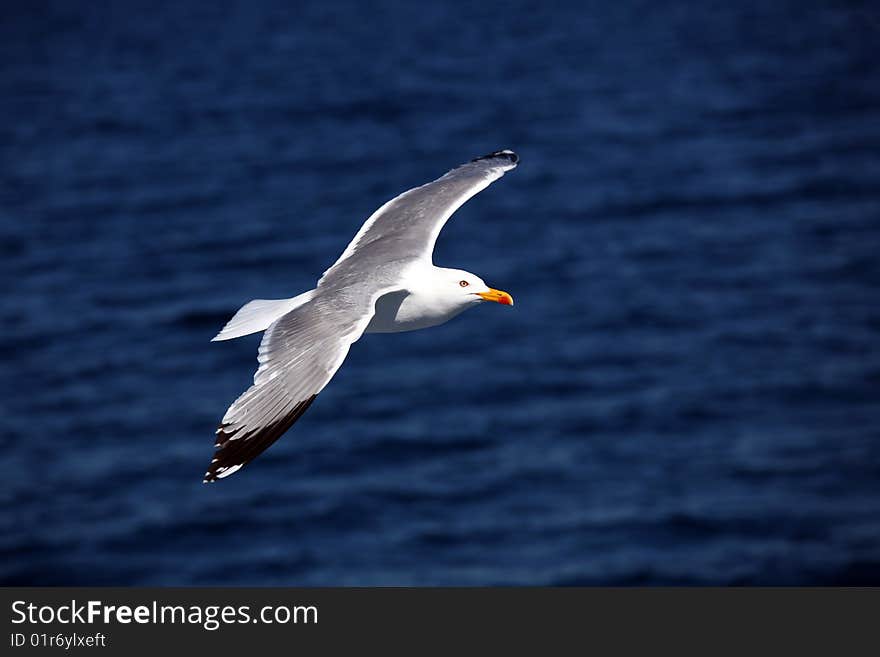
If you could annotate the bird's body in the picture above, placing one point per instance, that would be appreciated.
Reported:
(417, 305)
(384, 282)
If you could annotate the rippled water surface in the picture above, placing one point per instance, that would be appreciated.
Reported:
(687, 390)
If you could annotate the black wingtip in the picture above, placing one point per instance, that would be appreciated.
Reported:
(508, 155)
(234, 451)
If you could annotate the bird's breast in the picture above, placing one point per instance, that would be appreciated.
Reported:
(404, 311)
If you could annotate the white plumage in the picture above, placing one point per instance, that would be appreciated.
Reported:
(384, 282)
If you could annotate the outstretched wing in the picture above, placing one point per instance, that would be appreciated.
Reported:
(298, 356)
(409, 224)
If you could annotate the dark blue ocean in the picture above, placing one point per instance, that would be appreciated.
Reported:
(687, 390)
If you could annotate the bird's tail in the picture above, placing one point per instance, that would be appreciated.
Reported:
(258, 314)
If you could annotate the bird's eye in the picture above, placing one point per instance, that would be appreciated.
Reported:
(463, 283)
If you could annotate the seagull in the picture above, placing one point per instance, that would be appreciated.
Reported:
(384, 282)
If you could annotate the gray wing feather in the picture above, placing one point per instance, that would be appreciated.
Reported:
(298, 356)
(406, 227)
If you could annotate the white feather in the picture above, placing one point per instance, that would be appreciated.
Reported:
(258, 315)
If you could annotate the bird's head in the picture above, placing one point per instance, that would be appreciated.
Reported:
(459, 287)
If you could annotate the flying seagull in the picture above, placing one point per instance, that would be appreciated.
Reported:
(384, 282)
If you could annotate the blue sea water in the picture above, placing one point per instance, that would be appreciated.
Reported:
(686, 391)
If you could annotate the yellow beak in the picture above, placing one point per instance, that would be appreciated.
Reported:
(498, 296)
